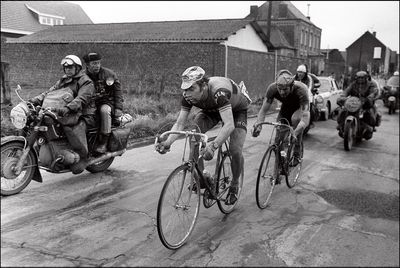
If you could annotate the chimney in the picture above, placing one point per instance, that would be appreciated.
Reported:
(374, 34)
(254, 11)
(308, 12)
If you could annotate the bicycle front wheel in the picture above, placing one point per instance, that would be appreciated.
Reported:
(178, 207)
(225, 176)
(294, 166)
(266, 178)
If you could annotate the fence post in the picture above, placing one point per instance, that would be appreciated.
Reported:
(5, 85)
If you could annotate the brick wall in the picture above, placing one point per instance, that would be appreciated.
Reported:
(154, 68)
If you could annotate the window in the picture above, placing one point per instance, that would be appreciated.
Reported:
(301, 37)
(46, 20)
(50, 21)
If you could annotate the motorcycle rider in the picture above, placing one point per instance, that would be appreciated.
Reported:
(81, 107)
(366, 91)
(295, 106)
(312, 83)
(109, 98)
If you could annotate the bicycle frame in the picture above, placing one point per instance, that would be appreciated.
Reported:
(192, 162)
(279, 144)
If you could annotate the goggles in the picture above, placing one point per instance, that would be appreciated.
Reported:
(67, 62)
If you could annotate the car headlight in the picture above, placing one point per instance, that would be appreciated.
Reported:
(319, 99)
(352, 104)
(19, 115)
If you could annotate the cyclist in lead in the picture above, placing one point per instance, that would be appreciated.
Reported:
(220, 99)
(295, 106)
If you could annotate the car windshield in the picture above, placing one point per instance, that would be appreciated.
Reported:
(325, 85)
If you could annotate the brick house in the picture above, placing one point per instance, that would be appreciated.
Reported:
(332, 61)
(368, 53)
(292, 33)
(20, 18)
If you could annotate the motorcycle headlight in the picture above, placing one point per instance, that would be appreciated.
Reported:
(393, 91)
(19, 115)
(352, 104)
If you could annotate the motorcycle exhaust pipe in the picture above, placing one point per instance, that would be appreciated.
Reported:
(106, 156)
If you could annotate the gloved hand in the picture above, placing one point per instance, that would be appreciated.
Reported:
(35, 102)
(208, 152)
(63, 111)
(255, 132)
(118, 113)
(162, 147)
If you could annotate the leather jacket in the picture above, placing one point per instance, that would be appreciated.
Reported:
(83, 89)
(107, 93)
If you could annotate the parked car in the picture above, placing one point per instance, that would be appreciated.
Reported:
(328, 93)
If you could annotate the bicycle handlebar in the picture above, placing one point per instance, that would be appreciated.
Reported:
(186, 133)
(276, 124)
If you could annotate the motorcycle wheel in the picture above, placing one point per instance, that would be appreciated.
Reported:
(348, 136)
(10, 183)
(100, 166)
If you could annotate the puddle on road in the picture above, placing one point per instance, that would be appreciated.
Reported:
(372, 204)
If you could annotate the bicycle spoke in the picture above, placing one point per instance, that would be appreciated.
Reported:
(294, 167)
(177, 209)
(266, 179)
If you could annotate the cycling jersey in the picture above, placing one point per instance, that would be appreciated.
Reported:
(298, 97)
(222, 94)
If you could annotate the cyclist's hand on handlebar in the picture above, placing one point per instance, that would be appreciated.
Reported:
(294, 138)
(255, 132)
(208, 152)
(162, 147)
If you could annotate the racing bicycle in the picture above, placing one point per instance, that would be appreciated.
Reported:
(179, 201)
(278, 161)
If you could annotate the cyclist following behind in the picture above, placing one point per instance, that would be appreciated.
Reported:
(295, 107)
(220, 99)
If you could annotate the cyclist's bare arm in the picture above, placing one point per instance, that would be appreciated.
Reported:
(305, 119)
(263, 111)
(228, 126)
(179, 125)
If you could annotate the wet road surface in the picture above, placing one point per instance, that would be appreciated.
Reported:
(343, 212)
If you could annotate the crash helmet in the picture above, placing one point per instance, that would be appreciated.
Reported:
(71, 60)
(191, 75)
(302, 68)
(91, 56)
(361, 74)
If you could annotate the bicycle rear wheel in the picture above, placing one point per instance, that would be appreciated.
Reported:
(266, 178)
(178, 208)
(293, 171)
(224, 182)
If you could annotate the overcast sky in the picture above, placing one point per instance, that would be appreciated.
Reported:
(342, 22)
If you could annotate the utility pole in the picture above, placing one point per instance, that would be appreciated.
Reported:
(269, 21)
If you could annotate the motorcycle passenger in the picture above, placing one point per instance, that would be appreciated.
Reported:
(295, 107)
(108, 98)
(220, 99)
(366, 91)
(81, 108)
(312, 83)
